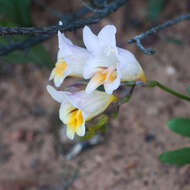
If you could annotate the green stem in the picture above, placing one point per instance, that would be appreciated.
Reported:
(154, 83)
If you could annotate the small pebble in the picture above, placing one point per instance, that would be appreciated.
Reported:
(170, 70)
(149, 138)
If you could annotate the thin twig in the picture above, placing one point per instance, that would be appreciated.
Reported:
(92, 8)
(99, 3)
(137, 39)
(51, 11)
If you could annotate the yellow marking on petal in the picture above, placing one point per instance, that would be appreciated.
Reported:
(111, 99)
(105, 75)
(143, 77)
(75, 120)
(100, 76)
(60, 67)
(111, 76)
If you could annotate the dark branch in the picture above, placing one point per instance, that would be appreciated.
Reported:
(66, 25)
(137, 39)
(23, 45)
(34, 40)
(70, 22)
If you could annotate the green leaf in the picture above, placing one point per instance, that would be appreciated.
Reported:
(178, 157)
(188, 89)
(16, 11)
(40, 55)
(180, 126)
(7, 23)
(37, 54)
(155, 7)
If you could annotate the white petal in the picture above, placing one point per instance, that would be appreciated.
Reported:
(65, 109)
(70, 133)
(110, 87)
(64, 46)
(129, 66)
(62, 40)
(92, 64)
(93, 84)
(76, 61)
(52, 74)
(81, 130)
(58, 80)
(74, 56)
(107, 36)
(90, 67)
(91, 104)
(90, 40)
(67, 48)
(59, 96)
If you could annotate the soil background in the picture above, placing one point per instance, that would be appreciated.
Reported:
(32, 144)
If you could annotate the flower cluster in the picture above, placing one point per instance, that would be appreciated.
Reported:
(103, 63)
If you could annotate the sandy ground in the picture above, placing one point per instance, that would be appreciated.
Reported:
(32, 154)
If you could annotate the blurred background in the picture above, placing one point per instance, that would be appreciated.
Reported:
(32, 147)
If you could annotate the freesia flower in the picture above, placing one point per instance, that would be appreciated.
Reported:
(70, 60)
(108, 64)
(79, 107)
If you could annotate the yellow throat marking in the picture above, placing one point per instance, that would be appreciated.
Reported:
(60, 67)
(106, 75)
(75, 119)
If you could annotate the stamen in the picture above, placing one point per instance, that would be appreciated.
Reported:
(103, 75)
(111, 75)
(100, 76)
(106, 74)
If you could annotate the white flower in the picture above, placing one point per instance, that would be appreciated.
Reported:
(70, 60)
(76, 108)
(108, 64)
